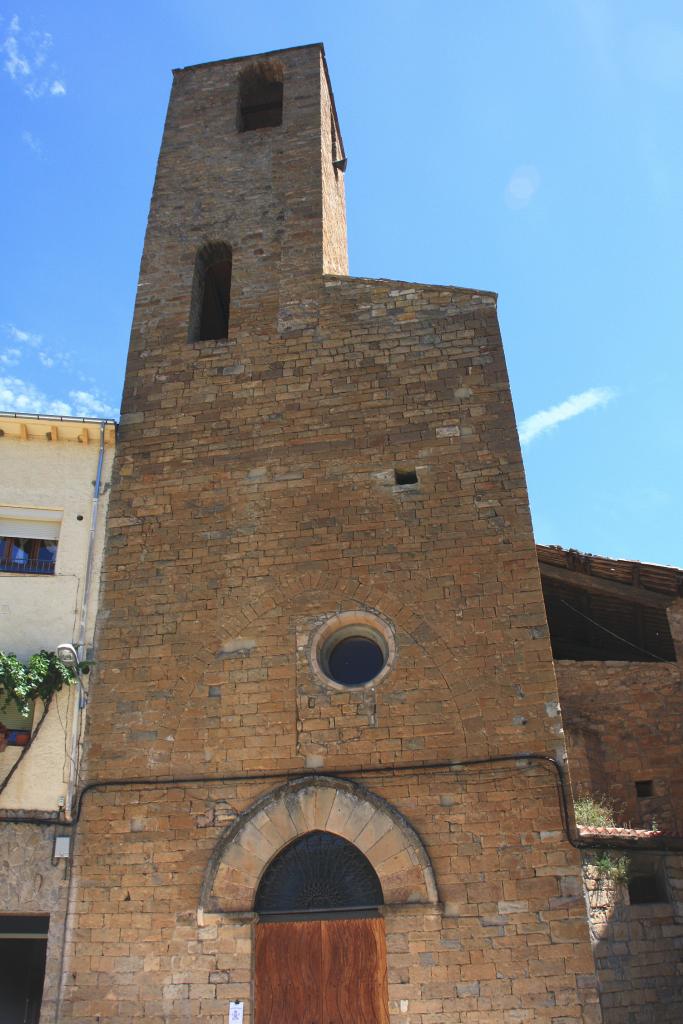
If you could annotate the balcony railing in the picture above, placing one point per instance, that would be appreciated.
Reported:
(29, 566)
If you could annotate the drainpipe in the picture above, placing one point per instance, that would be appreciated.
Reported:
(82, 649)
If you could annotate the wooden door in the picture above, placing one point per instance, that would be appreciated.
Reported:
(321, 972)
(354, 972)
(288, 973)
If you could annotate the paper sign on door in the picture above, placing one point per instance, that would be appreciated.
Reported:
(236, 1013)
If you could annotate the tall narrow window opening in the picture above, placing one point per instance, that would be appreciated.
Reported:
(210, 313)
(261, 94)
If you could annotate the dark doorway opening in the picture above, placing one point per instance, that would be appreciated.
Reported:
(23, 945)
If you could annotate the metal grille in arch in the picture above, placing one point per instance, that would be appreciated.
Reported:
(318, 872)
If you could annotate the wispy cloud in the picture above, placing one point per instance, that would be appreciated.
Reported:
(31, 141)
(21, 395)
(26, 337)
(90, 403)
(53, 357)
(10, 357)
(18, 395)
(26, 61)
(548, 419)
(522, 186)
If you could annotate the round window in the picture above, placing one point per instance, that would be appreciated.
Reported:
(353, 649)
(354, 660)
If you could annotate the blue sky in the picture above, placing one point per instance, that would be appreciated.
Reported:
(534, 149)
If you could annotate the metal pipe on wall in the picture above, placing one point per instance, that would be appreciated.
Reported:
(81, 648)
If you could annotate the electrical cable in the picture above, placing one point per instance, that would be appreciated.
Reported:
(576, 841)
(623, 639)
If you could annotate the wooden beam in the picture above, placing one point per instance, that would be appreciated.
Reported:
(84, 437)
(23, 432)
(598, 585)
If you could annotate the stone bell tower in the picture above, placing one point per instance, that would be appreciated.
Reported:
(324, 717)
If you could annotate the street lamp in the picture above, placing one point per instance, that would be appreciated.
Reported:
(68, 656)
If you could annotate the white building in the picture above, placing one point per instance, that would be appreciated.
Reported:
(54, 484)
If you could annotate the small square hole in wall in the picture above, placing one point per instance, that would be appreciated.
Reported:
(405, 475)
(647, 880)
(644, 789)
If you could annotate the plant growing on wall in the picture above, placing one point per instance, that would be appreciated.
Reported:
(612, 868)
(40, 678)
(594, 812)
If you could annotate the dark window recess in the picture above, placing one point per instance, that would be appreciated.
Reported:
(355, 660)
(28, 555)
(644, 789)
(215, 301)
(317, 874)
(261, 94)
(210, 311)
(23, 944)
(405, 476)
(594, 627)
(647, 880)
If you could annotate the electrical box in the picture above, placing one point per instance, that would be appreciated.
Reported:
(62, 847)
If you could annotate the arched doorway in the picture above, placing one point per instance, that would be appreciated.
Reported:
(320, 945)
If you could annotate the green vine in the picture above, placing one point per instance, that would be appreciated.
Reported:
(40, 678)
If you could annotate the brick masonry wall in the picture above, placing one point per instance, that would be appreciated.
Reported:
(505, 942)
(637, 950)
(254, 496)
(623, 724)
(241, 525)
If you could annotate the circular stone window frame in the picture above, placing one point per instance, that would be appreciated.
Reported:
(341, 626)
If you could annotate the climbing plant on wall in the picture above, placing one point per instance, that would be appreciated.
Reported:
(40, 678)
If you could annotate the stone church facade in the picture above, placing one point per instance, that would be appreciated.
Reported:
(325, 756)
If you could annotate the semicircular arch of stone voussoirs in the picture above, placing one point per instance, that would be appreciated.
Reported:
(309, 804)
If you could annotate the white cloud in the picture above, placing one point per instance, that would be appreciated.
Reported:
(88, 403)
(522, 186)
(10, 357)
(26, 61)
(46, 360)
(547, 419)
(19, 396)
(27, 337)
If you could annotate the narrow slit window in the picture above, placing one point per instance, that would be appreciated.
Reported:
(404, 476)
(261, 95)
(210, 314)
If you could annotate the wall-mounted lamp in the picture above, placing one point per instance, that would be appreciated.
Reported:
(68, 656)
